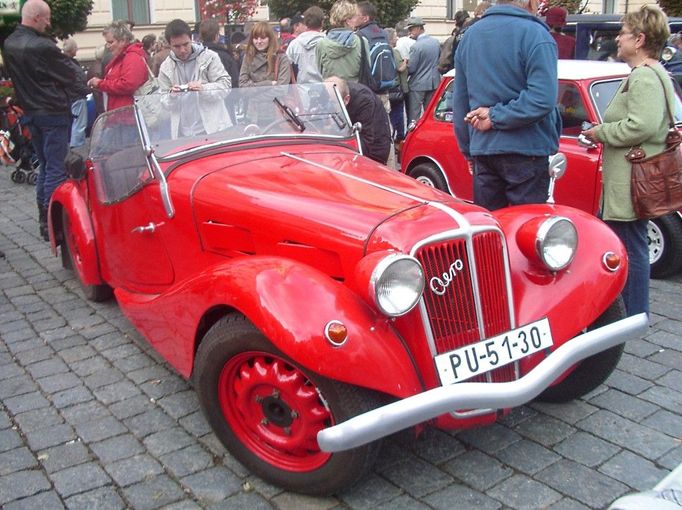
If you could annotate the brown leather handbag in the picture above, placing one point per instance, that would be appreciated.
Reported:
(656, 181)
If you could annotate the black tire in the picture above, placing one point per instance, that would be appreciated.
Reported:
(593, 371)
(428, 174)
(32, 178)
(664, 235)
(268, 424)
(71, 260)
(18, 176)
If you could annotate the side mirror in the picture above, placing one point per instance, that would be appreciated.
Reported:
(357, 127)
(74, 165)
(557, 168)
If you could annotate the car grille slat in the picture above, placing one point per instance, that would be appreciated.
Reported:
(453, 316)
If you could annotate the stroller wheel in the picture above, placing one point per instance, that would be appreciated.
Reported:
(32, 178)
(18, 176)
(35, 163)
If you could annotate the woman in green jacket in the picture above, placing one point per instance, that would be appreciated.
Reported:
(637, 115)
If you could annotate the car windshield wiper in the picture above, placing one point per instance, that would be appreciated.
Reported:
(290, 115)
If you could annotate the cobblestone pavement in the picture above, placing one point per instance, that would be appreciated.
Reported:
(90, 417)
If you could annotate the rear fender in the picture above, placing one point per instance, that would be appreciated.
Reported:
(68, 197)
(290, 304)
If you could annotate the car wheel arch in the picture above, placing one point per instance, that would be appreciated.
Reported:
(426, 160)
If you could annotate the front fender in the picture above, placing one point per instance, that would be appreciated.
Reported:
(290, 304)
(67, 197)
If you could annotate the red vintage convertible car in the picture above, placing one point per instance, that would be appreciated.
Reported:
(430, 152)
(318, 300)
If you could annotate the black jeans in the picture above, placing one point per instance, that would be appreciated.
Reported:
(510, 179)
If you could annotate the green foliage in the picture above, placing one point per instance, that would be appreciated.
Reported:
(68, 17)
(671, 7)
(390, 11)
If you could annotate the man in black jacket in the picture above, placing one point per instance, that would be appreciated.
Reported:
(42, 75)
(365, 107)
(209, 32)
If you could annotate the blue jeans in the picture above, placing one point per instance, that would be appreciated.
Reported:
(633, 234)
(79, 111)
(50, 136)
(510, 179)
(397, 117)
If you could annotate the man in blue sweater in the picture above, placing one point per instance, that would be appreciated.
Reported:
(506, 119)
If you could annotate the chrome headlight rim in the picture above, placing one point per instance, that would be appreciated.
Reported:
(543, 234)
(379, 272)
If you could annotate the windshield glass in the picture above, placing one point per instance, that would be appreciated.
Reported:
(603, 91)
(176, 122)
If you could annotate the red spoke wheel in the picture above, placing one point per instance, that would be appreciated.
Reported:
(267, 410)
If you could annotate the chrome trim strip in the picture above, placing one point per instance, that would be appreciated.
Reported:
(410, 411)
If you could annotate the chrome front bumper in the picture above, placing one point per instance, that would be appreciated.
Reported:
(410, 411)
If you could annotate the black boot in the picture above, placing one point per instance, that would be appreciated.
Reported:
(42, 222)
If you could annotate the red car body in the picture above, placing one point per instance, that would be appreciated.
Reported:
(285, 273)
(430, 152)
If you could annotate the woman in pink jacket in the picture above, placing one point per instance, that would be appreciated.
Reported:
(127, 70)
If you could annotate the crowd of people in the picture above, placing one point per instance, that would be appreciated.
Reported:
(507, 123)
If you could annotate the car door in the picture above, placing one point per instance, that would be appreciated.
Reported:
(127, 214)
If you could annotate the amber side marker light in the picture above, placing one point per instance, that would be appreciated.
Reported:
(336, 333)
(611, 261)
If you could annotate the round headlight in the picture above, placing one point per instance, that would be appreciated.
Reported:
(556, 242)
(397, 283)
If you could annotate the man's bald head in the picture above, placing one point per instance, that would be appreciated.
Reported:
(36, 14)
(341, 85)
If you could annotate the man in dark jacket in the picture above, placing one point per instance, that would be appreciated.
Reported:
(209, 32)
(505, 102)
(365, 107)
(42, 76)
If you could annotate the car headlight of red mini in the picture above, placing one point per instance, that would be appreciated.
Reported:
(396, 284)
(552, 240)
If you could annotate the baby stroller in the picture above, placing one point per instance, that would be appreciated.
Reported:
(16, 148)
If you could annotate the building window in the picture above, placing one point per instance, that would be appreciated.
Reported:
(609, 6)
(136, 11)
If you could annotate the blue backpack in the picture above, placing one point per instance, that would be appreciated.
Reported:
(382, 65)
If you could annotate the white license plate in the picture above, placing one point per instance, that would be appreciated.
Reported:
(498, 351)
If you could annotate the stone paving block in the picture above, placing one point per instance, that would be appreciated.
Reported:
(160, 388)
(26, 402)
(154, 493)
(672, 459)
(642, 367)
(489, 439)
(628, 383)
(404, 502)
(640, 347)
(672, 379)
(370, 492)
(638, 473)
(587, 486)
(103, 377)
(185, 505)
(667, 335)
(131, 407)
(16, 335)
(212, 485)
(180, 404)
(249, 500)
(72, 396)
(195, 424)
(67, 343)
(19, 384)
(80, 478)
(132, 363)
(22, 484)
(527, 456)
(586, 449)
(521, 492)
(134, 469)
(40, 353)
(85, 412)
(545, 430)
(10, 374)
(568, 504)
(38, 418)
(97, 430)
(15, 325)
(103, 336)
(436, 446)
(91, 366)
(478, 470)
(187, 461)
(625, 405)
(417, 477)
(48, 324)
(213, 444)
(64, 456)
(465, 498)
(53, 435)
(152, 373)
(665, 397)
(115, 392)
(5, 422)
(649, 443)
(666, 422)
(149, 422)
(104, 498)
(121, 352)
(117, 448)
(29, 344)
(167, 441)
(47, 500)
(16, 460)
(77, 353)
(87, 322)
(58, 382)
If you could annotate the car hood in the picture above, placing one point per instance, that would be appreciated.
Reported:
(318, 206)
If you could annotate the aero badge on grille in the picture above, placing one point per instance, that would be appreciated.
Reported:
(440, 285)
